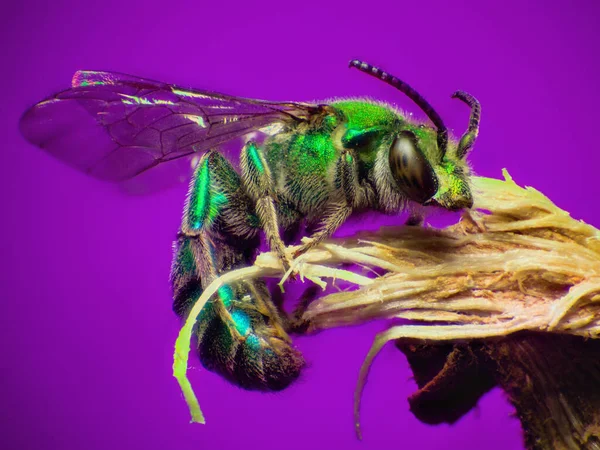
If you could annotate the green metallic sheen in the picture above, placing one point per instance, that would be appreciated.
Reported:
(361, 115)
(204, 204)
(358, 138)
(186, 259)
(311, 153)
(253, 342)
(255, 158)
(217, 201)
(449, 167)
(226, 295)
(303, 159)
(367, 122)
(199, 200)
(330, 122)
(241, 321)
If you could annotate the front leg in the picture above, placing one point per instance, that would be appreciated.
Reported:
(350, 194)
(259, 184)
(335, 216)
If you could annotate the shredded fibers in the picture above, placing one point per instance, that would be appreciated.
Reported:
(515, 262)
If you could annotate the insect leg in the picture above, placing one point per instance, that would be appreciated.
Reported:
(239, 332)
(353, 194)
(259, 183)
(217, 207)
(336, 215)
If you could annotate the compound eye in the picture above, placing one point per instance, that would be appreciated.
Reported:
(413, 174)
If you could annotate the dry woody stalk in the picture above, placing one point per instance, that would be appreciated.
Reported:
(514, 265)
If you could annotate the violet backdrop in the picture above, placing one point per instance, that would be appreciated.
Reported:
(86, 323)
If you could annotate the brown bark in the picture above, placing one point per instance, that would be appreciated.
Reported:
(552, 380)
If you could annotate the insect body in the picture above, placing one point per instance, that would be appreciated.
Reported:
(317, 163)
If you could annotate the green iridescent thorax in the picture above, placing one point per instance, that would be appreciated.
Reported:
(366, 125)
(312, 153)
(303, 152)
(302, 160)
(312, 150)
(361, 115)
(300, 163)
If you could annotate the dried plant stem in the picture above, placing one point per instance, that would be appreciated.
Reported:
(516, 262)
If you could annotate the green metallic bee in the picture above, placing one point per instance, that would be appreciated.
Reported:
(308, 163)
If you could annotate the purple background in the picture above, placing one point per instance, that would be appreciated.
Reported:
(86, 323)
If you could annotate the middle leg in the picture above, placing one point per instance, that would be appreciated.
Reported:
(258, 179)
(350, 194)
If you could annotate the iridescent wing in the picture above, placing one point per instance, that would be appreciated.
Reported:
(115, 127)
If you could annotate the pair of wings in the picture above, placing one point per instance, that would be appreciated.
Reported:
(116, 127)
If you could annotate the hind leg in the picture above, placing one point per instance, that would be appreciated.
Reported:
(239, 332)
(217, 208)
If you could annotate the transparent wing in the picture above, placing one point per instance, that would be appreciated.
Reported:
(116, 127)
